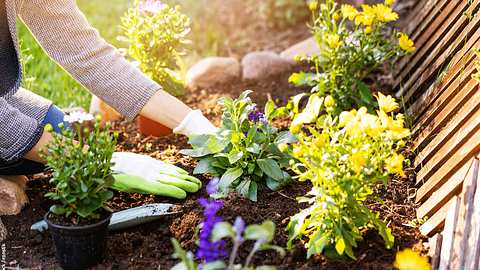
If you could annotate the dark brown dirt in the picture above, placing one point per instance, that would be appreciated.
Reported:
(148, 246)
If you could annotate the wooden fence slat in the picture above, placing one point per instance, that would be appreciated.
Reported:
(437, 220)
(465, 152)
(466, 117)
(442, 53)
(462, 69)
(444, 18)
(418, 17)
(441, 118)
(449, 234)
(435, 246)
(448, 147)
(464, 218)
(451, 188)
(473, 245)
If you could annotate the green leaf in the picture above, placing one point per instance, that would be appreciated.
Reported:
(222, 230)
(252, 191)
(270, 167)
(302, 78)
(216, 265)
(285, 137)
(204, 145)
(269, 109)
(265, 267)
(310, 113)
(205, 166)
(228, 177)
(264, 231)
(243, 188)
(365, 94)
(234, 156)
(57, 210)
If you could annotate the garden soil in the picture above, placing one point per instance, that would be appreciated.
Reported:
(148, 246)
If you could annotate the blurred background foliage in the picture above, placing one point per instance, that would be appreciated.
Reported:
(219, 28)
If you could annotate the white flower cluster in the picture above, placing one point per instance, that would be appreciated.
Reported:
(78, 117)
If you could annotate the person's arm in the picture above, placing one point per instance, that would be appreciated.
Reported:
(64, 33)
(19, 134)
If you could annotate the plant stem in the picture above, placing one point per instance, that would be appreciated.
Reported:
(255, 248)
(233, 255)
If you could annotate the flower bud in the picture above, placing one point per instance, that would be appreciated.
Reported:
(329, 101)
(48, 128)
(313, 5)
(283, 147)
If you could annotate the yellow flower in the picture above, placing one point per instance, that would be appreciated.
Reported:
(394, 164)
(333, 40)
(395, 126)
(329, 101)
(313, 5)
(349, 12)
(386, 103)
(347, 117)
(336, 16)
(368, 30)
(366, 17)
(408, 259)
(358, 160)
(371, 125)
(384, 13)
(406, 43)
(389, 2)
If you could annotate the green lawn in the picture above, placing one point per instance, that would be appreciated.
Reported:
(45, 77)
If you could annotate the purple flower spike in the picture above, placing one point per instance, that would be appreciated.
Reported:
(151, 6)
(210, 251)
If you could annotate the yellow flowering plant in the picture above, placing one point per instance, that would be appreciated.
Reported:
(353, 44)
(408, 259)
(345, 156)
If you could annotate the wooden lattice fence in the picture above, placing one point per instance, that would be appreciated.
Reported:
(443, 100)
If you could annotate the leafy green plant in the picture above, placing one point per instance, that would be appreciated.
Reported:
(345, 157)
(244, 151)
(353, 45)
(280, 13)
(80, 161)
(157, 36)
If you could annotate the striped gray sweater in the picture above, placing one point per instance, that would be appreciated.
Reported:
(66, 36)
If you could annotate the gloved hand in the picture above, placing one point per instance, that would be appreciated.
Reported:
(195, 124)
(146, 175)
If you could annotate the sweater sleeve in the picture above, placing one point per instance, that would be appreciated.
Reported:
(63, 31)
(18, 132)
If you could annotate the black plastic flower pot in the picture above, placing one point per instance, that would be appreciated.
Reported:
(79, 247)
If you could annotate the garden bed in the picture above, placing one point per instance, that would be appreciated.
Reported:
(148, 246)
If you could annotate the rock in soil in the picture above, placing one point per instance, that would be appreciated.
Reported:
(212, 71)
(307, 47)
(261, 65)
(12, 194)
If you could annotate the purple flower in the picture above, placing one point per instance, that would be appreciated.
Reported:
(239, 226)
(210, 251)
(151, 6)
(257, 117)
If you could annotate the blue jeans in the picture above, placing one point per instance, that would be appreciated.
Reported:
(24, 166)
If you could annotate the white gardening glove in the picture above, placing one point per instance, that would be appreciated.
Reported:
(195, 124)
(154, 171)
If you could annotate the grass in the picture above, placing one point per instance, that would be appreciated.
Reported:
(44, 77)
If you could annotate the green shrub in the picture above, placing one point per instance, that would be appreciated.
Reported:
(353, 45)
(157, 36)
(244, 151)
(345, 157)
(81, 174)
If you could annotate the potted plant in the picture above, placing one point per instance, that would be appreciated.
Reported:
(156, 37)
(80, 158)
